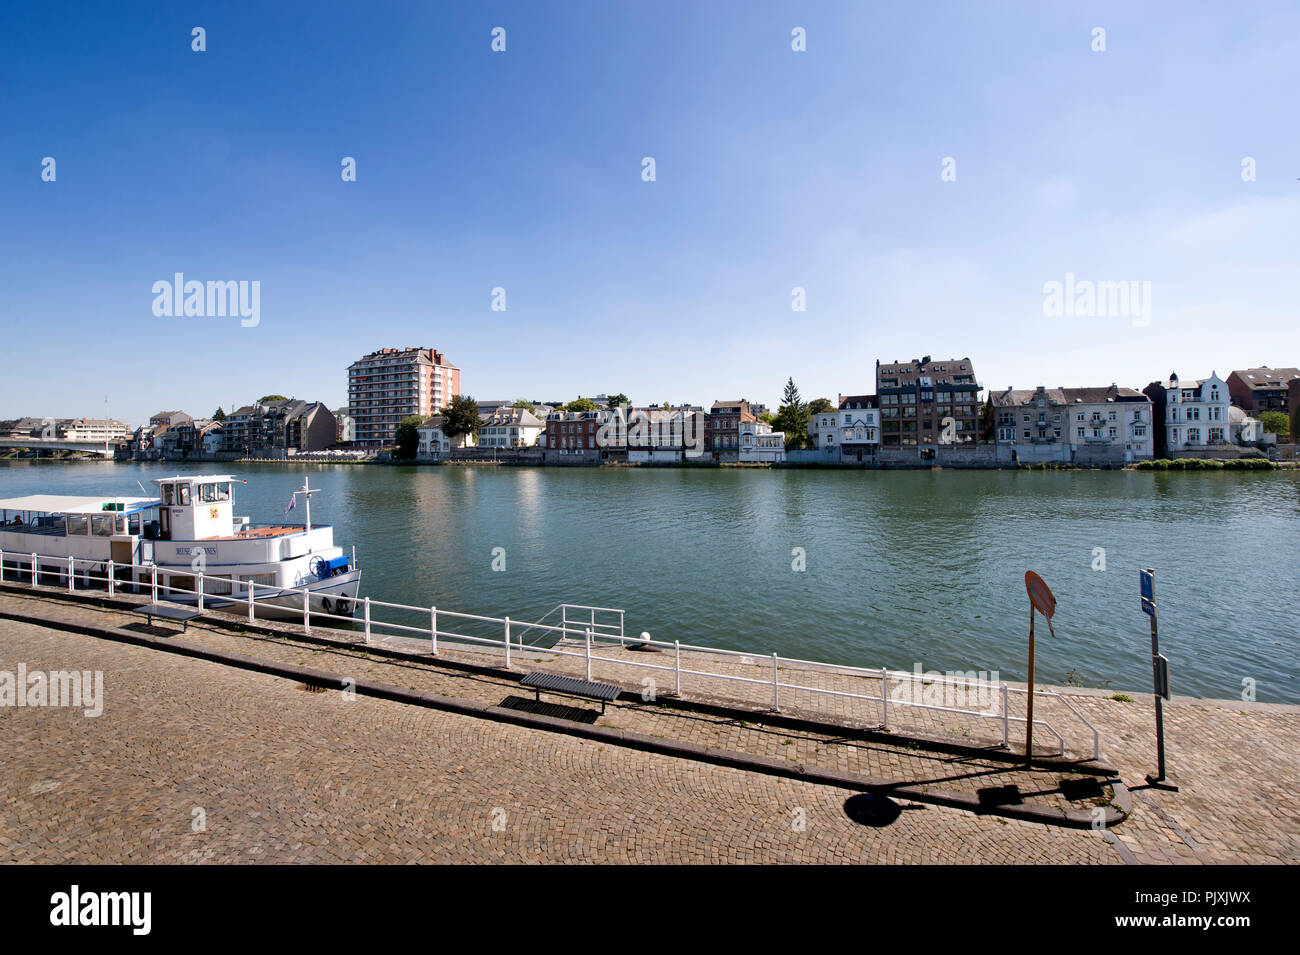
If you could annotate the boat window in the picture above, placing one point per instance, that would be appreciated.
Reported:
(167, 493)
(133, 524)
(101, 525)
(77, 524)
(211, 493)
(183, 494)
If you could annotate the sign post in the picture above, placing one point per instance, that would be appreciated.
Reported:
(1042, 600)
(1159, 679)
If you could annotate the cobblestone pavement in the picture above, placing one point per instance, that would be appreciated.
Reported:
(1236, 763)
(277, 774)
(916, 767)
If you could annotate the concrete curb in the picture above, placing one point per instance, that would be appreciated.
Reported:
(1114, 813)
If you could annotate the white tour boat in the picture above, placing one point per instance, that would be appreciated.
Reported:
(188, 529)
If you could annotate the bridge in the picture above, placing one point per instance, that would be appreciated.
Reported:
(53, 444)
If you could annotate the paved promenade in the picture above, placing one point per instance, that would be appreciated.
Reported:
(283, 774)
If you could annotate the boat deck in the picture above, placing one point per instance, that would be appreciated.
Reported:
(256, 533)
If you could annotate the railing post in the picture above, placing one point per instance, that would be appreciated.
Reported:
(72, 574)
(884, 697)
(153, 583)
(433, 627)
(2, 565)
(507, 639)
(775, 684)
(366, 605)
(36, 571)
(677, 666)
(112, 582)
(306, 610)
(250, 601)
(1006, 720)
(589, 653)
(200, 581)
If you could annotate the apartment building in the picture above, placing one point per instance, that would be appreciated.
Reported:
(1256, 390)
(389, 385)
(1030, 426)
(1194, 414)
(722, 428)
(924, 403)
(1110, 425)
(510, 428)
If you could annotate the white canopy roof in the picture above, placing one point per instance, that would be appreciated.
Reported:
(69, 504)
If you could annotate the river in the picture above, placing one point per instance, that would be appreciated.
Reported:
(902, 568)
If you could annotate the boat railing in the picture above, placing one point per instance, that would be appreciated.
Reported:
(770, 678)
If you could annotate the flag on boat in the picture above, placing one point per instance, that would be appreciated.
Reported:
(293, 502)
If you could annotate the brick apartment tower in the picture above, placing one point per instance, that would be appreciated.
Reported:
(395, 383)
(915, 396)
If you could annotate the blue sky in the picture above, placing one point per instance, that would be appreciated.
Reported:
(775, 169)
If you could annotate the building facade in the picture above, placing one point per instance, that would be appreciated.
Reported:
(759, 444)
(1030, 426)
(1194, 414)
(1256, 390)
(510, 428)
(925, 403)
(1110, 425)
(722, 428)
(389, 385)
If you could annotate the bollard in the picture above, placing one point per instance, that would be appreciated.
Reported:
(1006, 720)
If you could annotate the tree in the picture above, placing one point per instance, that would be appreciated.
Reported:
(525, 404)
(218, 415)
(818, 405)
(408, 438)
(792, 418)
(986, 419)
(617, 401)
(460, 417)
(581, 404)
(1275, 422)
(267, 399)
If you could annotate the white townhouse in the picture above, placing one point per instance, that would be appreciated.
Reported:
(434, 444)
(1109, 425)
(858, 423)
(510, 428)
(1196, 414)
(759, 444)
(823, 429)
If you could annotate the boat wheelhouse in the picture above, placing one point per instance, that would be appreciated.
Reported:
(185, 535)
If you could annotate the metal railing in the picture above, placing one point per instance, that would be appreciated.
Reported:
(506, 635)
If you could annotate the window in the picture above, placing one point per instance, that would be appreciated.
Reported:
(183, 494)
(101, 525)
(76, 524)
(1082, 431)
(1112, 434)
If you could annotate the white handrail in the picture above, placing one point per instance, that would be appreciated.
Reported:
(588, 632)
